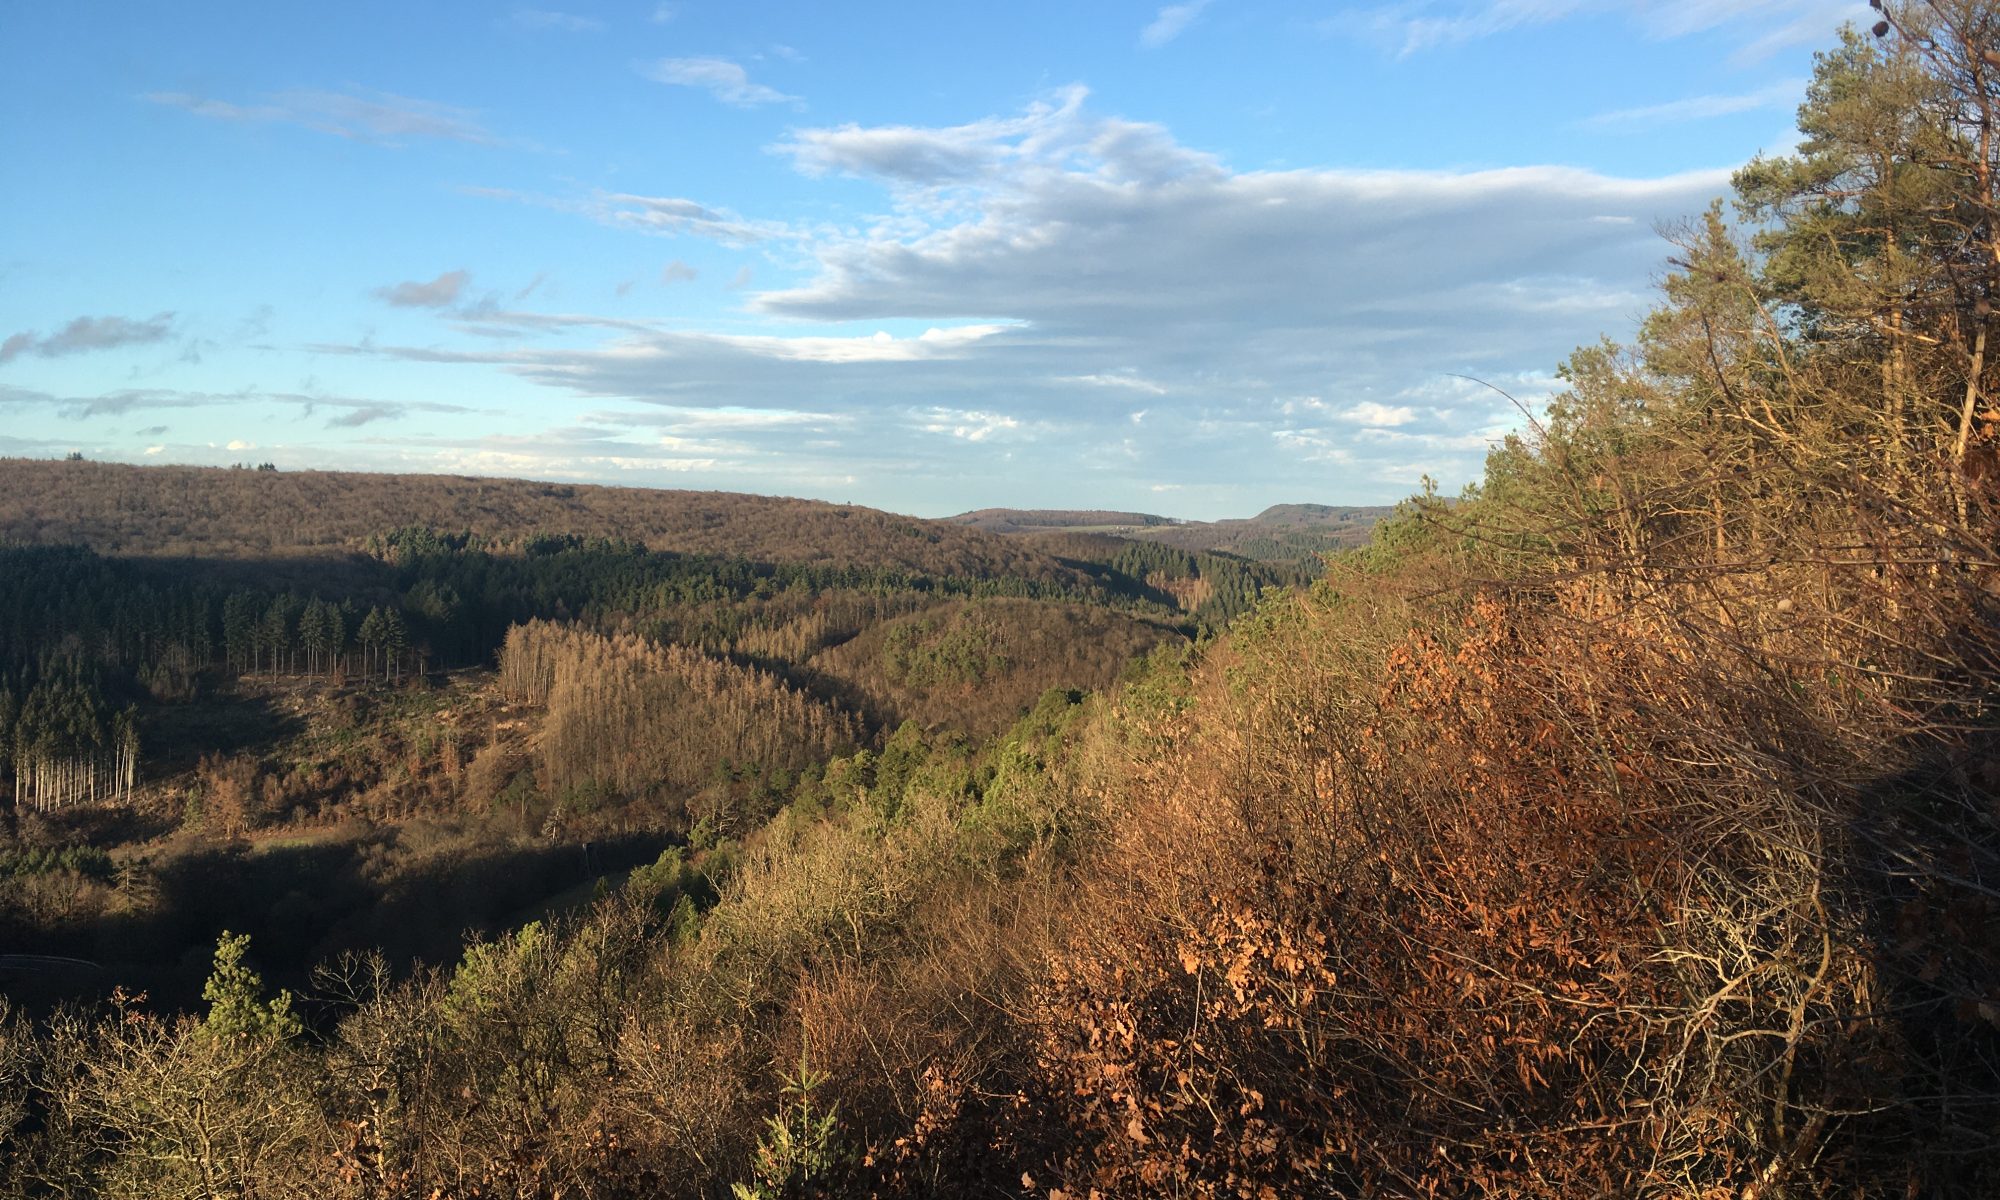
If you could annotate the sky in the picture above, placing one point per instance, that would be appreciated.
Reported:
(1193, 259)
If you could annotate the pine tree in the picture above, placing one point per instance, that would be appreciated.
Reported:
(278, 632)
(395, 636)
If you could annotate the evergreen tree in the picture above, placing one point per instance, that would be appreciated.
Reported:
(241, 615)
(374, 633)
(395, 636)
(278, 633)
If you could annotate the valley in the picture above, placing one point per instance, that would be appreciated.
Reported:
(336, 751)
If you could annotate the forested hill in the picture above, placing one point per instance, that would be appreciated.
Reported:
(1281, 533)
(215, 512)
(1042, 520)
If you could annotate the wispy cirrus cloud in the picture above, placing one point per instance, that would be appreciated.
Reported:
(1414, 26)
(650, 346)
(664, 215)
(930, 156)
(347, 412)
(1698, 108)
(436, 293)
(84, 335)
(536, 20)
(350, 413)
(722, 78)
(119, 402)
(383, 118)
(1127, 381)
(679, 215)
(728, 419)
(1170, 22)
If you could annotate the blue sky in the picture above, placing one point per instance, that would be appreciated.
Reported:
(1193, 259)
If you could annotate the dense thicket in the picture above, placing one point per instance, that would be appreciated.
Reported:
(63, 744)
(976, 665)
(1626, 828)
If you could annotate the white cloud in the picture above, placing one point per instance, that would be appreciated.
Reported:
(1170, 23)
(240, 444)
(876, 347)
(1312, 446)
(725, 80)
(966, 424)
(716, 419)
(1378, 415)
(576, 452)
(152, 450)
(1096, 225)
(678, 272)
(1031, 276)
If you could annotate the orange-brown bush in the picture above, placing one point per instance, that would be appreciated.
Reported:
(1499, 906)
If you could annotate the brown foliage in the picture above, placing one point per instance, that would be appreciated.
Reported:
(1494, 937)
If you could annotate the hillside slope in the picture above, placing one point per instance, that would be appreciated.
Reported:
(115, 508)
(977, 665)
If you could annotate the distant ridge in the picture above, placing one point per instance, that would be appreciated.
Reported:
(1042, 520)
(223, 513)
(1282, 532)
